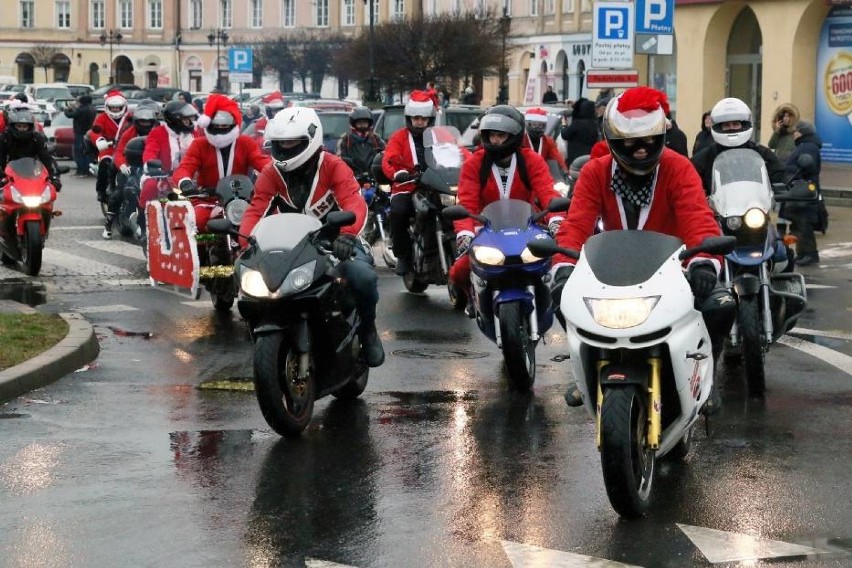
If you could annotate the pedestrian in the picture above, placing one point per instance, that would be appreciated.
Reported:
(675, 138)
(433, 94)
(83, 116)
(783, 125)
(469, 97)
(704, 137)
(804, 216)
(582, 133)
(184, 97)
(549, 96)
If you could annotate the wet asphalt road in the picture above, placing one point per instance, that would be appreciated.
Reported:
(130, 463)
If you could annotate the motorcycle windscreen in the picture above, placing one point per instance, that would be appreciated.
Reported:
(442, 148)
(283, 231)
(234, 186)
(740, 183)
(508, 214)
(26, 167)
(628, 258)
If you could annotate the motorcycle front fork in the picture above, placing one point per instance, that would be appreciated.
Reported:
(765, 306)
(533, 318)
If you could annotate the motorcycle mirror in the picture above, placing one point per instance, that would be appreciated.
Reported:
(455, 213)
(543, 247)
(339, 218)
(711, 245)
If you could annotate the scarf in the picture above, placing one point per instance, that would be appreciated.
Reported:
(636, 190)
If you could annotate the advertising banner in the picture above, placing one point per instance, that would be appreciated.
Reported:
(834, 86)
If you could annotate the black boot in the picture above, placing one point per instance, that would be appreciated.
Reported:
(107, 234)
(573, 396)
(371, 346)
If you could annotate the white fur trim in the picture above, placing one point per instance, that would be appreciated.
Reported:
(203, 121)
(535, 118)
(419, 108)
(465, 234)
(222, 140)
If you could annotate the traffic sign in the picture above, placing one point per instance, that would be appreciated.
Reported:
(240, 65)
(611, 78)
(655, 17)
(655, 44)
(612, 35)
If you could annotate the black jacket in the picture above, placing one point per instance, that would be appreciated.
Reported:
(676, 140)
(12, 148)
(360, 150)
(582, 133)
(84, 117)
(807, 144)
(702, 140)
(703, 162)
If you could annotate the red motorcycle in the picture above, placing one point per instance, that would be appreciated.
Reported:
(25, 212)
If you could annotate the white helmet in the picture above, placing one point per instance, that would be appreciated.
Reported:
(115, 105)
(731, 110)
(294, 124)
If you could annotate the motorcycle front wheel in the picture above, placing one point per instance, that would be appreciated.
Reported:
(125, 215)
(518, 348)
(749, 326)
(286, 401)
(626, 460)
(32, 248)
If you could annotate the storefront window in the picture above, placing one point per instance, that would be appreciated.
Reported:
(662, 74)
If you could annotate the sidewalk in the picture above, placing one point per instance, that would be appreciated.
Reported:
(836, 182)
(79, 347)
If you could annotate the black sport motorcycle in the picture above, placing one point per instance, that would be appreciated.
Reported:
(301, 316)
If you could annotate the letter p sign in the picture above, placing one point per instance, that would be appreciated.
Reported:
(613, 23)
(240, 60)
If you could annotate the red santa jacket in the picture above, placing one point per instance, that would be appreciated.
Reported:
(203, 162)
(110, 130)
(547, 149)
(334, 185)
(128, 135)
(678, 205)
(474, 197)
(400, 155)
(164, 145)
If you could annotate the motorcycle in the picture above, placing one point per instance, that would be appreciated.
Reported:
(770, 297)
(127, 218)
(377, 197)
(639, 349)
(510, 300)
(26, 212)
(433, 237)
(301, 316)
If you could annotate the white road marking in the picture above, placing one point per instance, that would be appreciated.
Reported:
(819, 287)
(197, 304)
(720, 546)
(79, 265)
(314, 563)
(129, 282)
(836, 250)
(833, 358)
(54, 228)
(531, 556)
(818, 333)
(118, 247)
(106, 309)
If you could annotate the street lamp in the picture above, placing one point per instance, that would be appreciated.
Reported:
(371, 93)
(505, 28)
(219, 37)
(111, 37)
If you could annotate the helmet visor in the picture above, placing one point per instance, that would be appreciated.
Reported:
(500, 123)
(289, 148)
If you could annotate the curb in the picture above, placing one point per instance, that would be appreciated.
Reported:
(79, 347)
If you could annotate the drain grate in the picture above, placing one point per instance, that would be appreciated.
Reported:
(429, 353)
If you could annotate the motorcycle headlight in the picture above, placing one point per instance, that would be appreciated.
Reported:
(251, 282)
(235, 210)
(754, 218)
(621, 313)
(562, 188)
(488, 255)
(528, 257)
(298, 279)
(734, 223)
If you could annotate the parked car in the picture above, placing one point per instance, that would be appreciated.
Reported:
(61, 134)
(100, 92)
(78, 89)
(159, 94)
(45, 96)
(460, 116)
(321, 105)
(335, 123)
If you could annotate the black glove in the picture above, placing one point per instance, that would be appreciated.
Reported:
(186, 185)
(56, 183)
(702, 280)
(343, 247)
(463, 245)
(559, 279)
(402, 176)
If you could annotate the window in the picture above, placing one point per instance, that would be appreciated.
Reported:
(322, 13)
(98, 14)
(288, 13)
(567, 6)
(431, 8)
(549, 7)
(398, 10)
(348, 16)
(256, 13)
(585, 5)
(375, 13)
(63, 14)
(533, 7)
(125, 14)
(195, 14)
(155, 14)
(27, 13)
(226, 18)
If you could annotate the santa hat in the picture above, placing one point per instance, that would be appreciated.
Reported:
(419, 104)
(273, 99)
(643, 98)
(536, 115)
(219, 103)
(114, 98)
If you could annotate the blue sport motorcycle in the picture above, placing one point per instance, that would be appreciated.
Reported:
(511, 302)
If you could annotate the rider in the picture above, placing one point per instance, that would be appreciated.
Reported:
(22, 140)
(536, 121)
(222, 152)
(502, 168)
(104, 134)
(272, 104)
(644, 185)
(403, 158)
(360, 144)
(303, 178)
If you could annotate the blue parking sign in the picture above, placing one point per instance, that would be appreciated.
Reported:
(240, 60)
(613, 35)
(614, 23)
(654, 16)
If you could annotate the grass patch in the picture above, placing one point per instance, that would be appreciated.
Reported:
(23, 336)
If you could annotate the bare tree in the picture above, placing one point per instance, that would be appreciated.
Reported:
(43, 54)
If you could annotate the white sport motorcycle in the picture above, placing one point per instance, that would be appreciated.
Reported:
(639, 349)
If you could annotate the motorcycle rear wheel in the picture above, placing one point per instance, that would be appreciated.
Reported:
(125, 226)
(749, 326)
(222, 301)
(356, 385)
(286, 404)
(626, 460)
(518, 348)
(32, 248)
(414, 282)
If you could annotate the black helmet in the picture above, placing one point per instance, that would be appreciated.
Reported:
(176, 114)
(144, 119)
(502, 118)
(133, 151)
(360, 113)
(21, 123)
